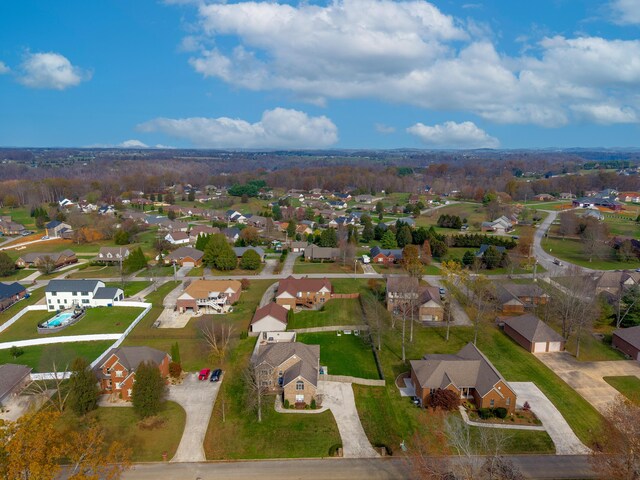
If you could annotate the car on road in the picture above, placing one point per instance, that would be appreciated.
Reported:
(46, 237)
(557, 262)
(215, 376)
(442, 292)
(204, 374)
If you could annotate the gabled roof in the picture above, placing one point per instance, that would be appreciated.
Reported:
(202, 288)
(239, 251)
(468, 368)
(396, 252)
(10, 289)
(533, 329)
(182, 252)
(271, 310)
(276, 353)
(55, 256)
(293, 285)
(524, 290)
(73, 285)
(10, 376)
(107, 293)
(132, 357)
(630, 335)
(484, 247)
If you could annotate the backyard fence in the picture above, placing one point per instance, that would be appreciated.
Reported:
(360, 381)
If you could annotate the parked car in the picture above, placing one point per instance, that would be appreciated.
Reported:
(442, 292)
(215, 376)
(46, 237)
(204, 374)
(557, 262)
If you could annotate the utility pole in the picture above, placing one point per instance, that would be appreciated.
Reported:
(175, 273)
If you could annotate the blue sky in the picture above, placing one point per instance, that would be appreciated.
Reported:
(341, 74)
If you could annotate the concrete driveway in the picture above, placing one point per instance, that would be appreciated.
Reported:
(267, 296)
(566, 442)
(287, 268)
(339, 398)
(586, 377)
(458, 316)
(171, 298)
(197, 398)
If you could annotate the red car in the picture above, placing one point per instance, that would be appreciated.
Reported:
(204, 374)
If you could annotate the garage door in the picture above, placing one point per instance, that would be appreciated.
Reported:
(554, 346)
(188, 264)
(540, 347)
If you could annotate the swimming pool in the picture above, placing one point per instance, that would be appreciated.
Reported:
(60, 319)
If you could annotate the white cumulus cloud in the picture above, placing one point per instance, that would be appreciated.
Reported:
(51, 71)
(411, 52)
(3, 68)
(453, 135)
(278, 128)
(133, 144)
(626, 12)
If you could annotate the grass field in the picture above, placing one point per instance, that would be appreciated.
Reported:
(571, 250)
(326, 267)
(475, 213)
(130, 288)
(121, 424)
(624, 225)
(42, 357)
(196, 272)
(345, 355)
(34, 298)
(18, 275)
(96, 320)
(96, 271)
(628, 385)
(398, 270)
(336, 312)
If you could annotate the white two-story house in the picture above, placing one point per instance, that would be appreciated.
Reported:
(64, 294)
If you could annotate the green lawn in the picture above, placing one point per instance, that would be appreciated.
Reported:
(19, 274)
(122, 424)
(130, 288)
(629, 386)
(326, 267)
(34, 298)
(475, 213)
(398, 270)
(96, 320)
(240, 435)
(20, 215)
(96, 271)
(42, 357)
(571, 250)
(336, 312)
(620, 224)
(593, 349)
(345, 355)
(196, 272)
(156, 271)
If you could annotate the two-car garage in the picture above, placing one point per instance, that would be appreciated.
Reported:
(533, 334)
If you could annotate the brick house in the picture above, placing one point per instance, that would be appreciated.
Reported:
(427, 305)
(627, 340)
(10, 293)
(305, 292)
(214, 294)
(468, 373)
(66, 257)
(117, 373)
(515, 298)
(9, 227)
(291, 369)
(385, 256)
(533, 334)
(185, 257)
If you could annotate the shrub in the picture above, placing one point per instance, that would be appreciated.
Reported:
(500, 412)
(175, 369)
(313, 404)
(445, 399)
(16, 351)
(245, 283)
(485, 413)
(286, 403)
(526, 407)
(333, 449)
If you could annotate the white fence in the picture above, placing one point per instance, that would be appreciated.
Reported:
(17, 316)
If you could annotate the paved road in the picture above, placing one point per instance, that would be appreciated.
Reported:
(390, 468)
(458, 314)
(287, 268)
(586, 377)
(566, 442)
(338, 396)
(197, 398)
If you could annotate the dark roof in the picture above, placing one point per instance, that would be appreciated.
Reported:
(73, 285)
(132, 357)
(183, 252)
(484, 247)
(276, 353)
(239, 251)
(10, 289)
(53, 224)
(396, 252)
(271, 309)
(533, 329)
(106, 293)
(524, 290)
(468, 368)
(294, 285)
(630, 335)
(10, 376)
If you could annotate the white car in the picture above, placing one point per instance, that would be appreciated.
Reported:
(366, 259)
(46, 237)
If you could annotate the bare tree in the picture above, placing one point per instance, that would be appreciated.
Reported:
(455, 275)
(53, 388)
(594, 237)
(618, 455)
(374, 314)
(405, 298)
(46, 265)
(481, 293)
(217, 336)
(256, 385)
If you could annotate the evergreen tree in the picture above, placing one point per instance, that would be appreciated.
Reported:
(171, 214)
(491, 257)
(329, 238)
(291, 228)
(121, 237)
(367, 230)
(201, 242)
(83, 387)
(379, 208)
(468, 258)
(277, 212)
(250, 260)
(226, 259)
(192, 195)
(149, 390)
(216, 244)
(403, 236)
(7, 266)
(388, 240)
(175, 353)
(135, 261)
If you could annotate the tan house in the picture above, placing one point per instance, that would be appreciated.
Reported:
(613, 283)
(213, 294)
(404, 294)
(514, 298)
(468, 373)
(431, 308)
(66, 257)
(303, 292)
(185, 257)
(112, 254)
(270, 318)
(533, 334)
(117, 373)
(291, 369)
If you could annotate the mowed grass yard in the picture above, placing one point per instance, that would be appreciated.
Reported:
(96, 320)
(122, 424)
(42, 357)
(473, 212)
(96, 271)
(572, 250)
(344, 355)
(34, 298)
(627, 385)
(336, 312)
(238, 435)
(325, 267)
(130, 288)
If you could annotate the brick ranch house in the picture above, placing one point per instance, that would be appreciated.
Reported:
(304, 292)
(385, 256)
(627, 340)
(185, 257)
(117, 373)
(468, 373)
(60, 259)
(215, 294)
(291, 369)
(10, 293)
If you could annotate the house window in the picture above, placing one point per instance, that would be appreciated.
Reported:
(321, 299)
(299, 385)
(119, 373)
(85, 293)
(118, 385)
(74, 293)
(492, 403)
(129, 392)
(85, 300)
(58, 301)
(53, 294)
(508, 401)
(299, 398)
(108, 371)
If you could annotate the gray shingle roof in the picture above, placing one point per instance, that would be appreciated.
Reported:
(630, 335)
(240, 250)
(132, 357)
(10, 289)
(106, 293)
(533, 329)
(183, 252)
(276, 353)
(10, 376)
(73, 285)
